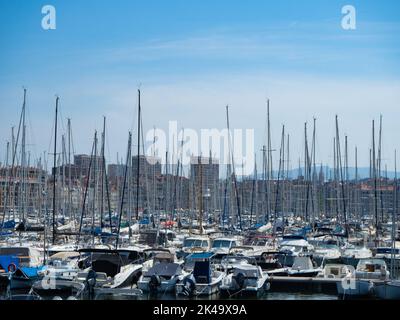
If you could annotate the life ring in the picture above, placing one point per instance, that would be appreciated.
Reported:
(12, 267)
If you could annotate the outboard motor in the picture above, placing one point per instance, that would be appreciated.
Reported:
(189, 286)
(154, 283)
(240, 279)
(90, 282)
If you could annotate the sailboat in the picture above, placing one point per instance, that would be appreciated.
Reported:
(391, 289)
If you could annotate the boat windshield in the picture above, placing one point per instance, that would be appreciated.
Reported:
(195, 243)
(222, 244)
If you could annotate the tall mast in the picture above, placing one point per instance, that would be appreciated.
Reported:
(128, 156)
(269, 162)
(23, 160)
(233, 169)
(200, 195)
(281, 166)
(380, 167)
(11, 181)
(70, 209)
(138, 159)
(394, 216)
(54, 172)
(374, 177)
(95, 169)
(357, 212)
(339, 162)
(103, 172)
(6, 181)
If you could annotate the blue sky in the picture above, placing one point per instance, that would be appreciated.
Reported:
(191, 58)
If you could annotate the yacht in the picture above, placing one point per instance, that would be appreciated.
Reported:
(352, 254)
(203, 280)
(244, 277)
(360, 283)
(21, 265)
(193, 244)
(221, 246)
(302, 266)
(162, 276)
(291, 247)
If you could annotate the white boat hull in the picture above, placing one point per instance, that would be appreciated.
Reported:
(355, 288)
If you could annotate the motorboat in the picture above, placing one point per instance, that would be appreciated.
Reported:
(326, 250)
(204, 280)
(352, 254)
(61, 266)
(360, 283)
(336, 271)
(291, 247)
(113, 268)
(21, 265)
(64, 289)
(221, 246)
(264, 258)
(302, 266)
(243, 277)
(163, 274)
(193, 244)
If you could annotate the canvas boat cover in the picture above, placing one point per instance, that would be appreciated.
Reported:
(164, 270)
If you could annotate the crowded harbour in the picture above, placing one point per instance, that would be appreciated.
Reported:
(199, 158)
(135, 230)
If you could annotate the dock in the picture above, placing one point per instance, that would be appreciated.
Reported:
(295, 284)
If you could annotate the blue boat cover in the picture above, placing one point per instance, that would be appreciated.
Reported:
(200, 256)
(31, 272)
(9, 224)
(5, 261)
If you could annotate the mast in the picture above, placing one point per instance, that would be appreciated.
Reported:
(380, 167)
(374, 177)
(138, 159)
(85, 193)
(14, 145)
(281, 153)
(233, 169)
(95, 169)
(106, 179)
(254, 194)
(394, 216)
(200, 195)
(70, 209)
(268, 163)
(6, 185)
(103, 172)
(128, 156)
(23, 162)
(339, 162)
(357, 200)
(54, 173)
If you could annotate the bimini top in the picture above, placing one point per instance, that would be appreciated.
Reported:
(164, 269)
(200, 256)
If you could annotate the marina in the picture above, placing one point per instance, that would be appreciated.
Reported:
(271, 181)
(55, 248)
